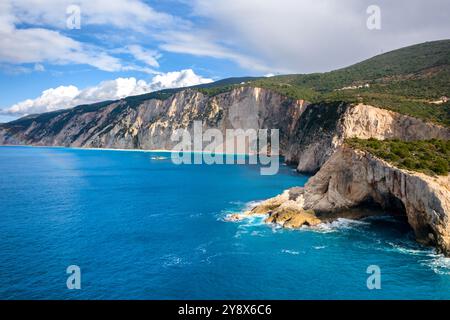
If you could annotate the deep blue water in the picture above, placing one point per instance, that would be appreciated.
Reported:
(141, 228)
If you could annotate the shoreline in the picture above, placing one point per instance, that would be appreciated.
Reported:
(133, 150)
(90, 149)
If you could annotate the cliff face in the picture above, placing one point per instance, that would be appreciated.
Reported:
(309, 133)
(150, 124)
(364, 122)
(324, 128)
(353, 178)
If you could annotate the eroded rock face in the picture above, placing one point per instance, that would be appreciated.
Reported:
(322, 130)
(309, 133)
(291, 215)
(351, 178)
(364, 122)
(316, 135)
(150, 124)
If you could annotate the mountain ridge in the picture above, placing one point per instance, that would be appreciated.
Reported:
(325, 86)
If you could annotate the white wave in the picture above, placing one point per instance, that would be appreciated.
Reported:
(172, 260)
(203, 247)
(251, 204)
(439, 264)
(276, 228)
(436, 262)
(238, 203)
(241, 207)
(319, 247)
(253, 220)
(337, 225)
(159, 158)
(250, 220)
(410, 251)
(202, 250)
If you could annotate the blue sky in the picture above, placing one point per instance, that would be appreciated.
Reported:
(128, 47)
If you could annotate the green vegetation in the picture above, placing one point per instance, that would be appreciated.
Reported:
(404, 80)
(430, 157)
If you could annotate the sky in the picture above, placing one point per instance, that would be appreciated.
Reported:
(57, 54)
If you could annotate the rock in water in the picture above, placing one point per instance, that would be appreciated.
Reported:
(351, 178)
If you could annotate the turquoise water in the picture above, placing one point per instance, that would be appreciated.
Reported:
(140, 227)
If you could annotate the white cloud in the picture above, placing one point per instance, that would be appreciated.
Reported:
(17, 69)
(39, 45)
(69, 96)
(50, 99)
(36, 45)
(279, 36)
(177, 79)
(297, 36)
(39, 67)
(43, 40)
(149, 57)
(203, 44)
(125, 14)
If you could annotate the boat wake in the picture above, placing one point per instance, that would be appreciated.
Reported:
(158, 158)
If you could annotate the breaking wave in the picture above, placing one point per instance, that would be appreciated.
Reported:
(438, 263)
(337, 225)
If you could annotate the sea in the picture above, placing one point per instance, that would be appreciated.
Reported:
(137, 226)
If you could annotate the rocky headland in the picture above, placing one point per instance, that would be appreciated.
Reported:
(352, 180)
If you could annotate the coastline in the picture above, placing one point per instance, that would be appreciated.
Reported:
(80, 148)
(132, 150)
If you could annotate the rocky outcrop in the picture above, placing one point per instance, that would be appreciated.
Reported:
(322, 130)
(364, 122)
(316, 135)
(352, 178)
(284, 211)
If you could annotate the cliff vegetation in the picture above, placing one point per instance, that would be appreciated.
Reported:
(431, 157)
(411, 81)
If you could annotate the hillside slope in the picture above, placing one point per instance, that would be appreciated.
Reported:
(404, 80)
